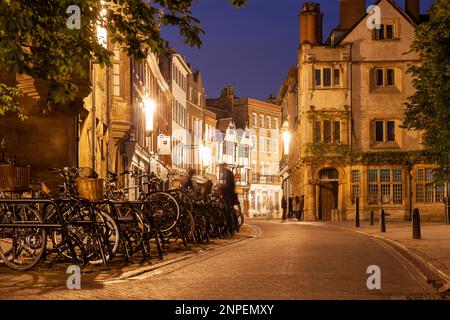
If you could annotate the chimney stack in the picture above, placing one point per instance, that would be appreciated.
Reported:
(412, 7)
(311, 23)
(351, 12)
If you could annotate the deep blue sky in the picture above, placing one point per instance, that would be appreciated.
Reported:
(251, 48)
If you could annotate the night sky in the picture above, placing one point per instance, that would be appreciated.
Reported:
(251, 48)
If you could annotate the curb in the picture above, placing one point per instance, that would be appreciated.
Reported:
(443, 275)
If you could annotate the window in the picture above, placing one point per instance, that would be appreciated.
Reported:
(116, 72)
(336, 77)
(390, 77)
(318, 77)
(379, 33)
(390, 131)
(389, 31)
(275, 123)
(262, 142)
(386, 32)
(356, 179)
(246, 152)
(427, 189)
(385, 131)
(254, 120)
(327, 77)
(317, 131)
(224, 148)
(385, 77)
(385, 185)
(269, 122)
(337, 132)
(379, 131)
(379, 73)
(275, 146)
(327, 131)
(331, 131)
(268, 149)
(373, 193)
(261, 121)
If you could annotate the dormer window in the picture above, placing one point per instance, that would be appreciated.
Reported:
(386, 32)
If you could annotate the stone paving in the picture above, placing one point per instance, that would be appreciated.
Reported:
(46, 275)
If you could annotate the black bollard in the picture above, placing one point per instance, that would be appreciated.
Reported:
(372, 218)
(357, 213)
(383, 221)
(416, 224)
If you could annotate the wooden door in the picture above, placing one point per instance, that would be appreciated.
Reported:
(328, 199)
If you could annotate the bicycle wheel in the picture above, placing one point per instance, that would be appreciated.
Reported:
(165, 209)
(21, 248)
(133, 226)
(109, 230)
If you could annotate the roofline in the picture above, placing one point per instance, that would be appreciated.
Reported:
(395, 5)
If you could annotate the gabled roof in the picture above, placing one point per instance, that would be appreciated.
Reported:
(406, 15)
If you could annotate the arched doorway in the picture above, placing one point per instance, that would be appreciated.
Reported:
(328, 192)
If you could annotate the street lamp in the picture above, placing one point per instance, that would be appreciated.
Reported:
(286, 137)
(149, 111)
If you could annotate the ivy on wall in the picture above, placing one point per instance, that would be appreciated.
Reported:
(340, 155)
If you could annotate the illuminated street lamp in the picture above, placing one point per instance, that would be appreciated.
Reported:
(286, 137)
(149, 111)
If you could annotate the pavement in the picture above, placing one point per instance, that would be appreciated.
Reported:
(433, 249)
(47, 274)
(268, 260)
(277, 261)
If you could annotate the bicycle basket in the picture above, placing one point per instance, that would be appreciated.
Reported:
(22, 177)
(7, 177)
(90, 189)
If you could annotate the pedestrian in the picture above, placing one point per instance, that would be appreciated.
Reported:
(228, 190)
(284, 207)
(290, 201)
(296, 207)
(301, 208)
(187, 181)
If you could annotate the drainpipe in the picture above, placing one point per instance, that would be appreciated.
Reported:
(108, 119)
(351, 99)
(77, 140)
(94, 117)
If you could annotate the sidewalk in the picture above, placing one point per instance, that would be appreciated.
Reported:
(42, 276)
(433, 248)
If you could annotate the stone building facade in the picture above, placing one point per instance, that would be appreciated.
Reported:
(348, 141)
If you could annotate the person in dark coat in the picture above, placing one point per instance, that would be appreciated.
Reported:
(301, 207)
(229, 195)
(284, 207)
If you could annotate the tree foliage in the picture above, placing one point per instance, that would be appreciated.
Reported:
(9, 101)
(429, 108)
(35, 39)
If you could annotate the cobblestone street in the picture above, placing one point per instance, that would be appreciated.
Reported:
(270, 260)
